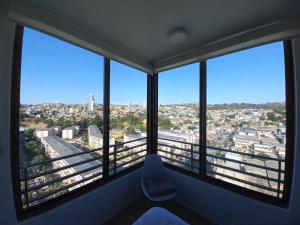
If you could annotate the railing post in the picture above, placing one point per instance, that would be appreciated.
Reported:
(192, 157)
(26, 187)
(279, 178)
(115, 159)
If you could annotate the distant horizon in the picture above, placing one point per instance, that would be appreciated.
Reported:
(184, 103)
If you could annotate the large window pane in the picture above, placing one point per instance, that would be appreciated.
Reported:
(178, 116)
(128, 116)
(60, 115)
(246, 113)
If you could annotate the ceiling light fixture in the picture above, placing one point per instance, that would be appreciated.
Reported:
(178, 35)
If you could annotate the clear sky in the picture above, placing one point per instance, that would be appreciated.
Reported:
(54, 70)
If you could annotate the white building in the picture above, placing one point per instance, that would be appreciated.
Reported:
(44, 132)
(131, 137)
(263, 148)
(70, 132)
(245, 141)
(91, 102)
(95, 137)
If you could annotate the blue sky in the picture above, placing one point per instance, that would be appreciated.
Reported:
(54, 70)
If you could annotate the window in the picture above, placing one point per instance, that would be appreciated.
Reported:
(246, 118)
(128, 116)
(63, 115)
(61, 95)
(245, 135)
(178, 117)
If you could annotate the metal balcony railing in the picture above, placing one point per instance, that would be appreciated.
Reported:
(259, 173)
(35, 188)
(255, 172)
(179, 153)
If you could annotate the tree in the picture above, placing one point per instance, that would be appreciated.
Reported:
(29, 133)
(31, 145)
(130, 130)
(164, 123)
(50, 123)
(33, 148)
(37, 158)
(243, 123)
(272, 117)
(192, 127)
(98, 121)
(84, 123)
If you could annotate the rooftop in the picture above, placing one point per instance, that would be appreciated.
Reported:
(63, 148)
(94, 131)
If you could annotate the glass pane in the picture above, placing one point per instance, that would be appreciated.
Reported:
(246, 118)
(128, 116)
(178, 116)
(60, 115)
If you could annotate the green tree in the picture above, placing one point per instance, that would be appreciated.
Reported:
(98, 121)
(32, 148)
(29, 133)
(50, 123)
(272, 117)
(164, 123)
(192, 127)
(130, 130)
(84, 123)
(31, 145)
(38, 158)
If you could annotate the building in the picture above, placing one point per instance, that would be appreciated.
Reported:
(263, 148)
(70, 132)
(91, 102)
(56, 147)
(57, 130)
(95, 137)
(44, 132)
(131, 137)
(247, 142)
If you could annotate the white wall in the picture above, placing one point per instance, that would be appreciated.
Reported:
(228, 208)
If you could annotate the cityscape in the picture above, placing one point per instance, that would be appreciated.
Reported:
(52, 130)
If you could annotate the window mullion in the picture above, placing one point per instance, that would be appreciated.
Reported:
(106, 105)
(202, 119)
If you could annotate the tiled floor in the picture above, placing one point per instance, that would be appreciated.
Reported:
(135, 210)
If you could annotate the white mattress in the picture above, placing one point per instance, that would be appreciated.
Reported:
(159, 216)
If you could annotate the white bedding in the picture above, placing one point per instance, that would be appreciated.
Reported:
(159, 216)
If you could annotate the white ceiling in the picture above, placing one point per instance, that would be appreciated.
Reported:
(137, 29)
